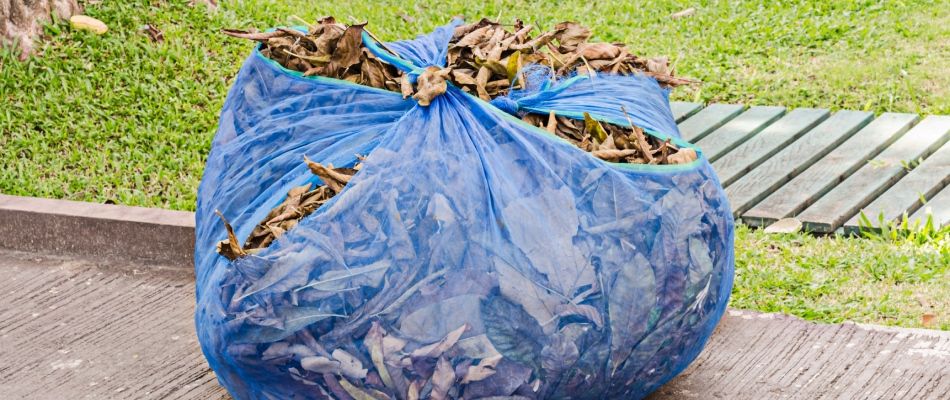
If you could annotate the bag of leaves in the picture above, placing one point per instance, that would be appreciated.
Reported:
(476, 213)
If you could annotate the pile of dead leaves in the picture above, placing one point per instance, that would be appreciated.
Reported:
(485, 59)
(385, 368)
(299, 203)
(329, 49)
(611, 142)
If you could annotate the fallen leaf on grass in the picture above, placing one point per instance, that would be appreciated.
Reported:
(684, 13)
(82, 22)
(405, 17)
(155, 34)
(927, 320)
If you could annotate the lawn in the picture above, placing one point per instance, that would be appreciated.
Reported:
(121, 118)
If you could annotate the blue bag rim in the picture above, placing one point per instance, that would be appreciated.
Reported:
(695, 164)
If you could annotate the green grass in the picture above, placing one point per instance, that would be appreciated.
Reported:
(118, 117)
(835, 279)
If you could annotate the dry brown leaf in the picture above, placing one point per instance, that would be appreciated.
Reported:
(414, 388)
(260, 37)
(589, 312)
(659, 65)
(156, 35)
(552, 122)
(320, 365)
(406, 87)
(233, 249)
(374, 342)
(571, 34)
(462, 78)
(686, 155)
(927, 320)
(329, 36)
(331, 178)
(474, 38)
(613, 155)
(481, 81)
(392, 345)
(484, 369)
(641, 141)
(443, 379)
(349, 365)
(534, 44)
(347, 51)
(436, 349)
(362, 393)
(684, 13)
(476, 373)
(431, 84)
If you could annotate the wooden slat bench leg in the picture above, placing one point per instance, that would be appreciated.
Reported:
(865, 185)
(682, 110)
(737, 131)
(788, 163)
(822, 176)
(764, 145)
(708, 120)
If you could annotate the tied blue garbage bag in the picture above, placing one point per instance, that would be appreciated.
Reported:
(472, 255)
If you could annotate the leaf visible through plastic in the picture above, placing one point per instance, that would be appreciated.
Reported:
(630, 300)
(513, 332)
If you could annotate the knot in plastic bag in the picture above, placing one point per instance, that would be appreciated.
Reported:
(430, 84)
(505, 104)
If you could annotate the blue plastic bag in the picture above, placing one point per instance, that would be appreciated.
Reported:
(469, 241)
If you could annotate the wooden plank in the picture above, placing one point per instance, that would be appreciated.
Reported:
(788, 163)
(740, 129)
(822, 176)
(938, 207)
(708, 120)
(682, 110)
(924, 181)
(771, 140)
(844, 201)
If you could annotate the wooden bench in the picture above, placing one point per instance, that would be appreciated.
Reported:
(823, 168)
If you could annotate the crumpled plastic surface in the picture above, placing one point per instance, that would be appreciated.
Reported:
(513, 230)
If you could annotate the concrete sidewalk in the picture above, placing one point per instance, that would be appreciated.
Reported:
(74, 328)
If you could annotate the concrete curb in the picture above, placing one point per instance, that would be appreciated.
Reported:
(115, 233)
